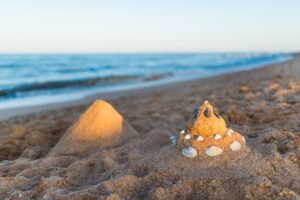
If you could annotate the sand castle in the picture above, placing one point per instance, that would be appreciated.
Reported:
(99, 126)
(206, 134)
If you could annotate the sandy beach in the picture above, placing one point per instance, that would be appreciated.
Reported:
(262, 104)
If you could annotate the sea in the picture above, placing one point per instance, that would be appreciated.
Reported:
(38, 79)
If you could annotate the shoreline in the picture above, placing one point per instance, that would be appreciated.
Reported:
(112, 95)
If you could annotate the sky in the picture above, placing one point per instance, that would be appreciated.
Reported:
(41, 26)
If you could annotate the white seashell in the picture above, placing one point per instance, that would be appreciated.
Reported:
(182, 132)
(217, 136)
(173, 139)
(213, 151)
(244, 140)
(187, 137)
(189, 152)
(235, 146)
(230, 132)
(200, 138)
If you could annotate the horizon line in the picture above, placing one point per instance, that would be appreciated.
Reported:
(146, 52)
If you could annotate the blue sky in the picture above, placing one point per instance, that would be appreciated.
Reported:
(149, 26)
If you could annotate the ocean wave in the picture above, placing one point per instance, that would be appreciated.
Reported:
(79, 83)
(28, 76)
(53, 85)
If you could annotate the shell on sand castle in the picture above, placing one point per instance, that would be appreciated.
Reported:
(208, 134)
(189, 152)
(99, 126)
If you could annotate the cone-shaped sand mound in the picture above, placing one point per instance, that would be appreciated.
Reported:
(99, 126)
(207, 134)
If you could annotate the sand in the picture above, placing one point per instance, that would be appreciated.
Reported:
(263, 105)
(100, 126)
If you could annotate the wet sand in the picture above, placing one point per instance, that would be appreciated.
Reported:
(263, 105)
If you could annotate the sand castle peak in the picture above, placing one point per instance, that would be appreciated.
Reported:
(99, 126)
(206, 133)
(99, 116)
(206, 121)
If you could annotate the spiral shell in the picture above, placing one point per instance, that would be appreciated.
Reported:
(189, 152)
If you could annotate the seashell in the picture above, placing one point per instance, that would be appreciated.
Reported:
(230, 132)
(200, 138)
(217, 136)
(235, 146)
(187, 137)
(244, 140)
(182, 132)
(213, 151)
(215, 111)
(189, 152)
(207, 113)
(196, 111)
(173, 140)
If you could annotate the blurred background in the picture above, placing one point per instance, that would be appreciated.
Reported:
(62, 50)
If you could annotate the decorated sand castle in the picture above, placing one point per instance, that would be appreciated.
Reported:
(206, 134)
(99, 126)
